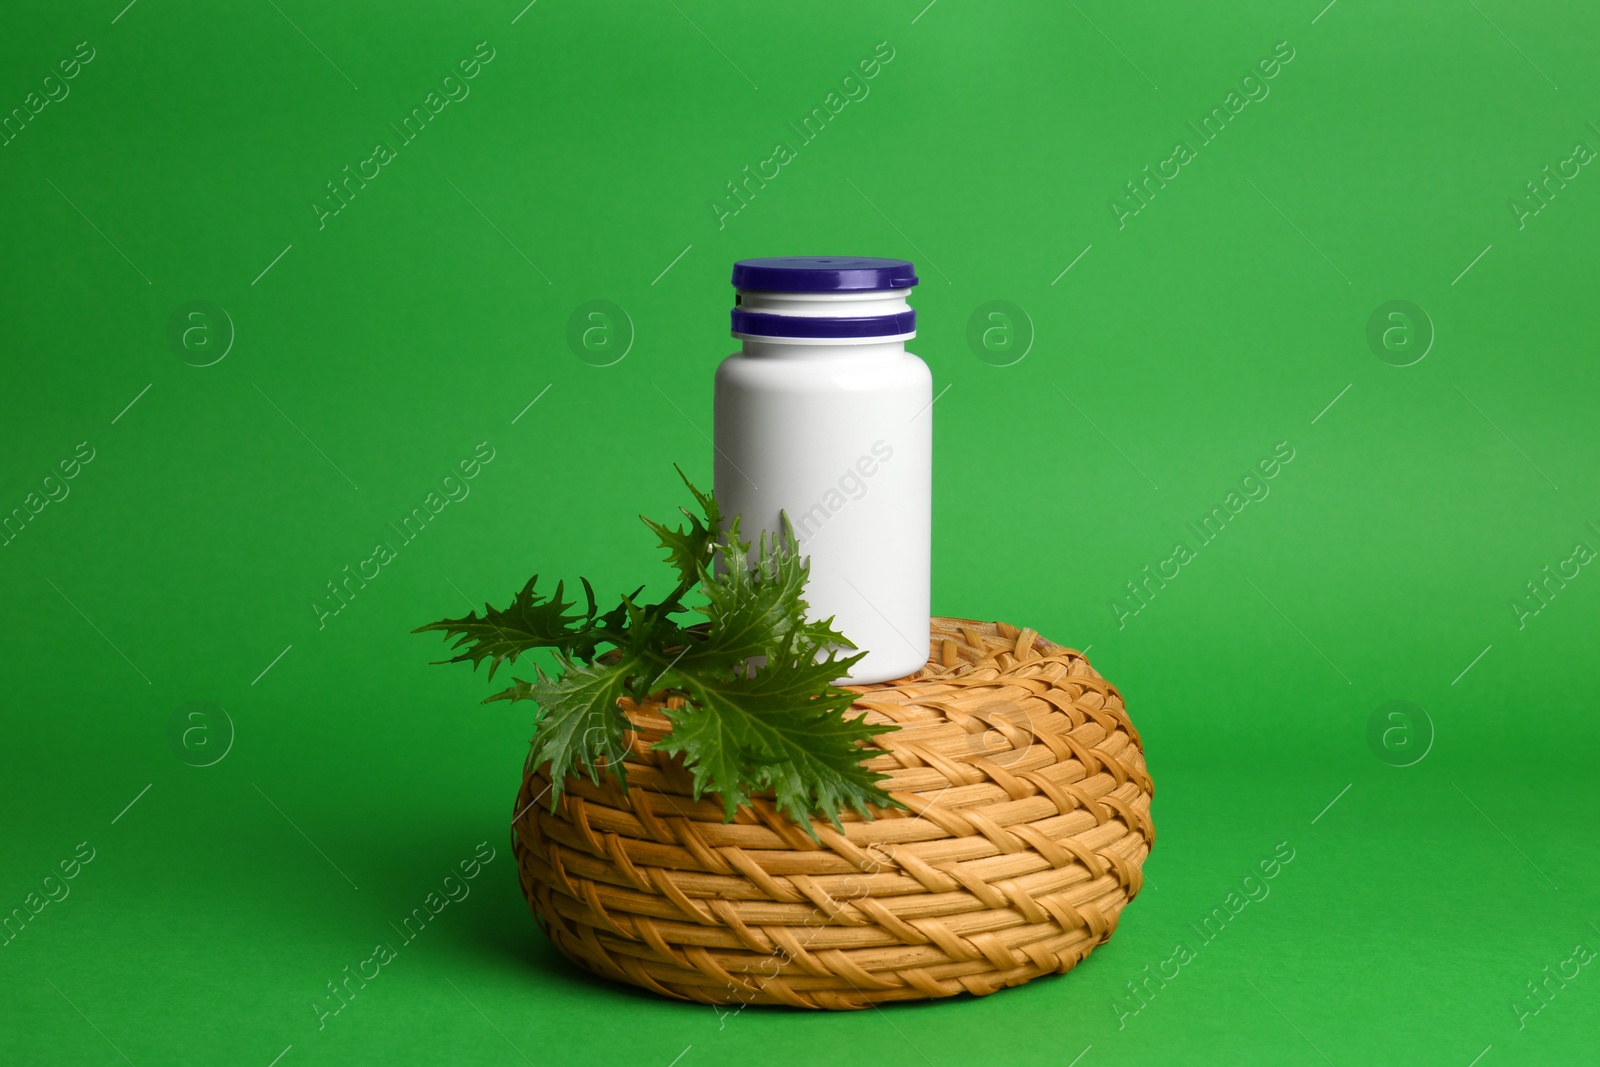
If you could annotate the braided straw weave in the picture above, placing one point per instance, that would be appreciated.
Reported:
(1028, 824)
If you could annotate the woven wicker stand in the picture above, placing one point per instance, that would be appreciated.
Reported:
(1029, 822)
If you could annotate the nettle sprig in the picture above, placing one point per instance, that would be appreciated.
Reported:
(759, 709)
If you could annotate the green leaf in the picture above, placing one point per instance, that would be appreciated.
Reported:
(759, 711)
(580, 725)
(530, 622)
(754, 609)
(689, 548)
(609, 627)
(782, 728)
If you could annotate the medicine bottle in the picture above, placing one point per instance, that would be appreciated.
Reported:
(824, 415)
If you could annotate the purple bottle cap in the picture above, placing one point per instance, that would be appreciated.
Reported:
(823, 274)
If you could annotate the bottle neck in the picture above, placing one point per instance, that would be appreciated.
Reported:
(849, 304)
(775, 348)
(813, 344)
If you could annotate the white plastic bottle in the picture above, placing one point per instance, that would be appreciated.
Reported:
(824, 415)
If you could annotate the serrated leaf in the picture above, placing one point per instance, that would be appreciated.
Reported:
(689, 547)
(754, 609)
(760, 712)
(781, 728)
(580, 723)
(531, 621)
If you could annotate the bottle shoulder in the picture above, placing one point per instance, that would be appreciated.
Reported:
(901, 370)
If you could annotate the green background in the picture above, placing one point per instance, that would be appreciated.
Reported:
(377, 351)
